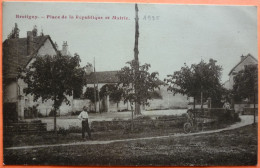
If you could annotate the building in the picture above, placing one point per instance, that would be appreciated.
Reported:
(162, 99)
(21, 52)
(244, 61)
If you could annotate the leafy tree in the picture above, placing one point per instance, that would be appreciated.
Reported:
(245, 83)
(115, 93)
(53, 77)
(89, 94)
(200, 80)
(137, 84)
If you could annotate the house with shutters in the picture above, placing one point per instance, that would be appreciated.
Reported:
(21, 52)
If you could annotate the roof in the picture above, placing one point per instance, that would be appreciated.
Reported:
(108, 77)
(102, 77)
(248, 55)
(15, 54)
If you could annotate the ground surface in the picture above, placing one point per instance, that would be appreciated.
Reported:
(72, 121)
(237, 146)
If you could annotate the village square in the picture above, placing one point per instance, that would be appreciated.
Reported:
(58, 111)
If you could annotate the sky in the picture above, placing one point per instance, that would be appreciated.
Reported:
(170, 35)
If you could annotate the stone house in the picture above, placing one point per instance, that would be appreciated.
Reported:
(244, 61)
(21, 52)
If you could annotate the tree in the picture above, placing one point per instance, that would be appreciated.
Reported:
(53, 77)
(200, 80)
(114, 92)
(246, 85)
(137, 85)
(89, 93)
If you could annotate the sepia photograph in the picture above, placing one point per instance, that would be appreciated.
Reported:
(129, 84)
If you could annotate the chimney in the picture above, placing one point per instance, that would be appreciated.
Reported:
(64, 50)
(242, 57)
(29, 42)
(89, 69)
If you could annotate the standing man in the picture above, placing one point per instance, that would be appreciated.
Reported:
(83, 116)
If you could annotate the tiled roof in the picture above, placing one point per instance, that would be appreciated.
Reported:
(15, 54)
(108, 77)
(102, 77)
(249, 55)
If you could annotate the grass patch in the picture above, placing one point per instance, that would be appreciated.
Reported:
(230, 148)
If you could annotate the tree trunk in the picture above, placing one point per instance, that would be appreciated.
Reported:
(137, 108)
(55, 120)
(132, 117)
(194, 103)
(117, 106)
(201, 99)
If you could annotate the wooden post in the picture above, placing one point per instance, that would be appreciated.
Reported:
(136, 52)
(254, 108)
(132, 117)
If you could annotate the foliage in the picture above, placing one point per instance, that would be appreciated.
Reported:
(32, 112)
(245, 83)
(115, 93)
(76, 113)
(14, 33)
(202, 77)
(155, 95)
(53, 78)
(89, 94)
(137, 82)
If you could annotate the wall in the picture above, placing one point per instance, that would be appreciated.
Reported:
(10, 92)
(239, 108)
(248, 61)
(168, 101)
(47, 48)
(78, 104)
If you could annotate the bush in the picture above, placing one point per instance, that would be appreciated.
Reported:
(76, 113)
(74, 129)
(32, 112)
(62, 131)
(168, 117)
(51, 113)
(143, 118)
(117, 119)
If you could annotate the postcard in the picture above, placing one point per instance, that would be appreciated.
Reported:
(129, 84)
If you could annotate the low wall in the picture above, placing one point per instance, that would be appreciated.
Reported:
(140, 124)
(249, 111)
(239, 108)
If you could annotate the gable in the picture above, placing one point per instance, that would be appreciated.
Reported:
(248, 60)
(47, 49)
(15, 53)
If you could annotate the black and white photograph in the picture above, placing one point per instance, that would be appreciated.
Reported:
(129, 84)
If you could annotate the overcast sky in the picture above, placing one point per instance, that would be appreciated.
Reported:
(179, 34)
